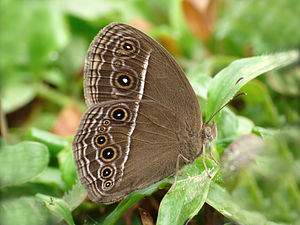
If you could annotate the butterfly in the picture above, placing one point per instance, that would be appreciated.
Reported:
(143, 121)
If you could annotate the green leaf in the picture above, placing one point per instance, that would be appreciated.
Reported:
(130, 200)
(58, 206)
(50, 176)
(53, 142)
(227, 124)
(29, 189)
(24, 210)
(188, 196)
(72, 58)
(287, 82)
(249, 68)
(39, 43)
(245, 125)
(219, 199)
(200, 83)
(16, 96)
(20, 163)
(68, 169)
(75, 196)
(245, 23)
(259, 105)
(264, 133)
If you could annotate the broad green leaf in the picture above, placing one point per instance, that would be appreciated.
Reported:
(53, 142)
(219, 199)
(50, 176)
(200, 84)
(16, 96)
(188, 196)
(130, 200)
(249, 68)
(22, 162)
(75, 196)
(58, 206)
(227, 124)
(24, 210)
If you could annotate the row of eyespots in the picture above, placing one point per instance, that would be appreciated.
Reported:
(109, 153)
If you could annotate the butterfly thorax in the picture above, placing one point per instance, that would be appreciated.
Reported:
(192, 143)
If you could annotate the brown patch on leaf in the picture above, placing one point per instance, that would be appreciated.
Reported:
(200, 17)
(67, 121)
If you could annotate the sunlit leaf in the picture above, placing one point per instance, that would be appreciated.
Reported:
(248, 68)
(188, 196)
(16, 96)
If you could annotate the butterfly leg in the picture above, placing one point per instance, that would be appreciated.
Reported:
(203, 160)
(211, 155)
(177, 169)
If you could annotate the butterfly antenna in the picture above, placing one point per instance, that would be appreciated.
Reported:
(223, 99)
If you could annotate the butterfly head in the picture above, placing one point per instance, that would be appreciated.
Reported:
(208, 133)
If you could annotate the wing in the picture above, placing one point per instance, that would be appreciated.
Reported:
(116, 156)
(154, 73)
(142, 114)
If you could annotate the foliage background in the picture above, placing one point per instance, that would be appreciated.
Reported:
(43, 45)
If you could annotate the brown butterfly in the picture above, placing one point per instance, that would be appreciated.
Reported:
(143, 121)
